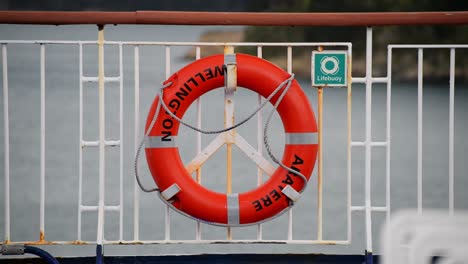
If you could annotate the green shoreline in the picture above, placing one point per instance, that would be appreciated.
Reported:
(436, 67)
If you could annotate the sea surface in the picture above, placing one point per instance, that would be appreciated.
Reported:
(62, 148)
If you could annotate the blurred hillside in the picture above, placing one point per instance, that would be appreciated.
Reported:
(382, 36)
(123, 5)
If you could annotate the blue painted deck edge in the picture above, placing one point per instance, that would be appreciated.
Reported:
(211, 258)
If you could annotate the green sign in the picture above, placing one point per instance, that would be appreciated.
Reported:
(329, 68)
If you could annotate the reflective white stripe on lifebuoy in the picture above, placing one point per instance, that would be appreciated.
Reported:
(170, 192)
(233, 209)
(291, 193)
(301, 138)
(159, 142)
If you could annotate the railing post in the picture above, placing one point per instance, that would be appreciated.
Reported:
(368, 141)
(259, 144)
(451, 131)
(42, 150)
(320, 161)
(102, 134)
(290, 211)
(320, 165)
(348, 142)
(121, 145)
(80, 151)
(389, 118)
(420, 129)
(231, 85)
(136, 190)
(199, 148)
(167, 218)
(6, 136)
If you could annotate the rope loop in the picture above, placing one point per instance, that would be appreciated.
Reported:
(286, 84)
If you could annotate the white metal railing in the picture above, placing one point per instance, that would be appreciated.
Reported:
(368, 143)
(7, 143)
(420, 49)
(102, 142)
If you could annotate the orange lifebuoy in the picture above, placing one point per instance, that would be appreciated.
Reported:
(251, 207)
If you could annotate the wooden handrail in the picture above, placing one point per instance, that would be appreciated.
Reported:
(234, 18)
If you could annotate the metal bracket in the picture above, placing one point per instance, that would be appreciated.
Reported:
(12, 250)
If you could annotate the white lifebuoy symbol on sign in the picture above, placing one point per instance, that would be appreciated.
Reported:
(323, 65)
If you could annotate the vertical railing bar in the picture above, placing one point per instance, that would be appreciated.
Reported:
(199, 120)
(349, 139)
(121, 146)
(290, 212)
(368, 157)
(259, 143)
(451, 130)
(320, 160)
(167, 217)
(80, 155)
(136, 190)
(102, 137)
(229, 89)
(6, 136)
(42, 147)
(420, 117)
(320, 163)
(389, 118)
(289, 59)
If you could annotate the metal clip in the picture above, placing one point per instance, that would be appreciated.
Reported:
(291, 193)
(12, 250)
(230, 59)
(170, 192)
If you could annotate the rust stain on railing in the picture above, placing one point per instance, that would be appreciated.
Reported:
(78, 242)
(40, 242)
(41, 236)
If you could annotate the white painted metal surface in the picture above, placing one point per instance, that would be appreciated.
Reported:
(290, 212)
(368, 139)
(451, 129)
(167, 215)
(229, 104)
(42, 155)
(102, 138)
(259, 143)
(420, 127)
(121, 143)
(388, 133)
(414, 237)
(80, 153)
(6, 135)
(136, 189)
(256, 154)
(199, 143)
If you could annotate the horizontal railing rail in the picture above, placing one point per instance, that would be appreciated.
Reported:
(234, 18)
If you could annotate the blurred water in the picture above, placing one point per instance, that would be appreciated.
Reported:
(62, 145)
